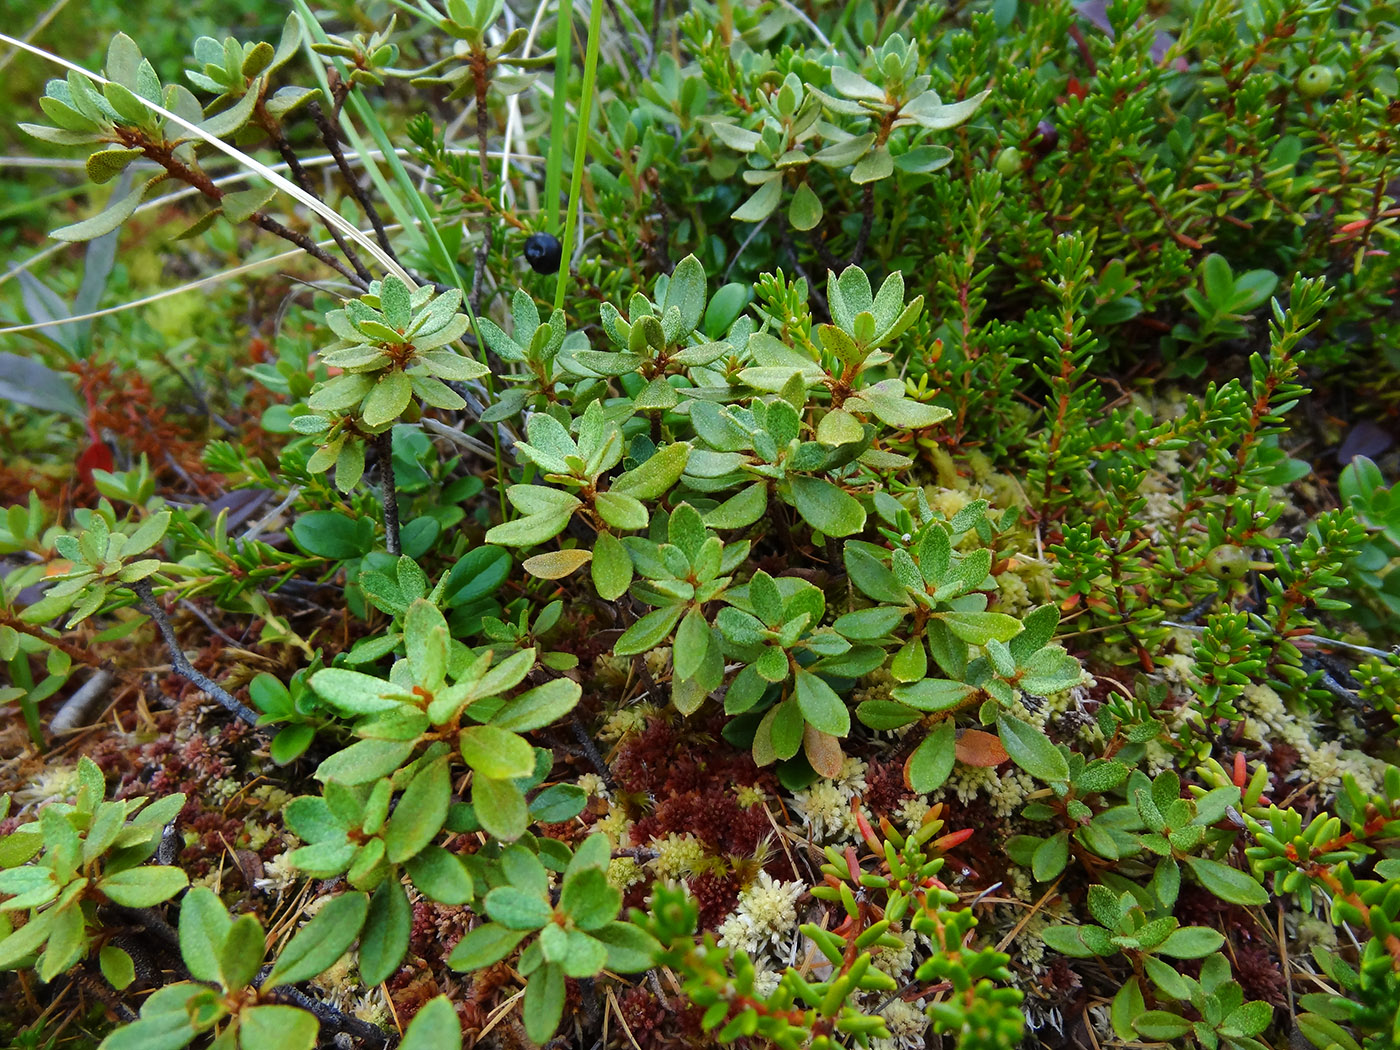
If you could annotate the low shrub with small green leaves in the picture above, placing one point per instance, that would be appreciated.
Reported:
(62, 868)
(855, 524)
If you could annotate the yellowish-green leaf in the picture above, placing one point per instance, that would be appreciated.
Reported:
(555, 565)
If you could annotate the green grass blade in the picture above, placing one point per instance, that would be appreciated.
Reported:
(554, 167)
(585, 114)
(408, 209)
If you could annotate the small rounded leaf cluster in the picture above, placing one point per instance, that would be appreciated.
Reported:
(394, 344)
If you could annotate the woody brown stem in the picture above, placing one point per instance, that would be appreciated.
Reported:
(331, 138)
(274, 132)
(388, 494)
(867, 220)
(483, 252)
(190, 175)
(305, 243)
(179, 662)
(72, 651)
(624, 36)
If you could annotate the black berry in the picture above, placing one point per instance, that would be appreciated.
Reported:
(543, 252)
(1047, 137)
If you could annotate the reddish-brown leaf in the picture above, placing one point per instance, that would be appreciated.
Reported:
(96, 456)
(976, 748)
(823, 751)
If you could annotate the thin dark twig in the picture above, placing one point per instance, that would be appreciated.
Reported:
(150, 921)
(1193, 614)
(324, 1012)
(483, 253)
(636, 853)
(483, 250)
(305, 243)
(655, 980)
(192, 175)
(867, 220)
(824, 256)
(625, 36)
(482, 82)
(588, 987)
(88, 979)
(214, 629)
(334, 1018)
(743, 247)
(388, 493)
(180, 664)
(332, 140)
(340, 91)
(590, 750)
(644, 672)
(1330, 683)
(284, 147)
(198, 395)
(785, 242)
(660, 247)
(169, 847)
(658, 8)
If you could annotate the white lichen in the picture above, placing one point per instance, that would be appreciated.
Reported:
(278, 875)
(911, 812)
(658, 660)
(1014, 596)
(53, 783)
(897, 962)
(594, 786)
(765, 981)
(825, 809)
(615, 825)
(748, 796)
(680, 856)
(765, 915)
(1009, 790)
(852, 776)
(907, 1024)
(624, 872)
(627, 722)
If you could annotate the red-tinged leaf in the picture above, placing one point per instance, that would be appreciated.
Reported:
(976, 748)
(868, 833)
(823, 751)
(953, 839)
(96, 456)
